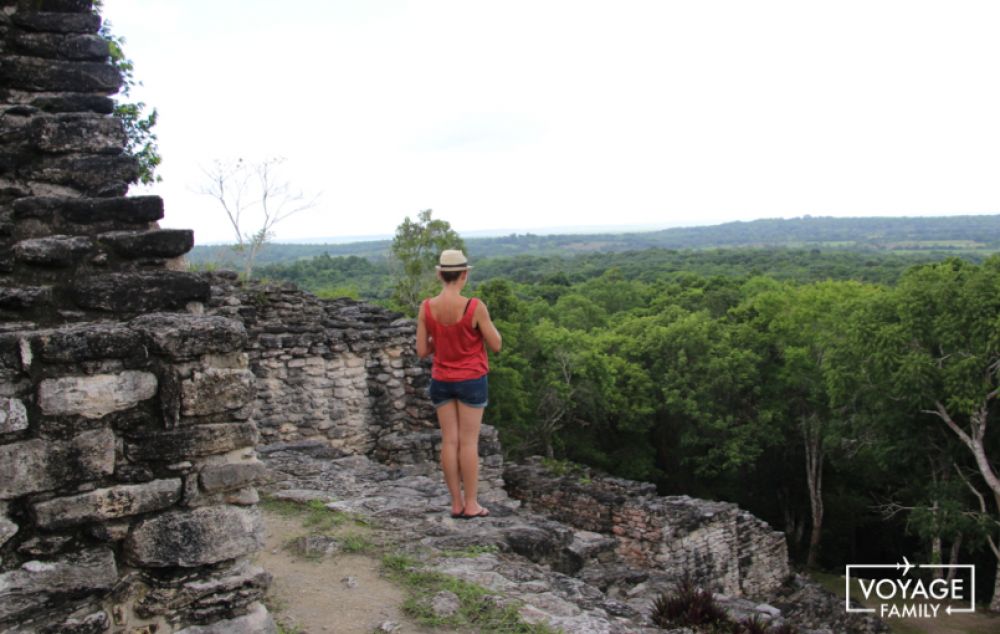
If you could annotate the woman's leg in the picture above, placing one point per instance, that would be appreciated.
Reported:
(469, 421)
(447, 416)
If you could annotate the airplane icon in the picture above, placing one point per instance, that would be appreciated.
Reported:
(906, 565)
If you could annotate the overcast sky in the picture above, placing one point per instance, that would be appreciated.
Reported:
(521, 115)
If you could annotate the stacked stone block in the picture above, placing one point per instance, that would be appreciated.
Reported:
(716, 543)
(340, 372)
(126, 441)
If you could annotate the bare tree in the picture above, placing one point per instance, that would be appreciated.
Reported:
(255, 197)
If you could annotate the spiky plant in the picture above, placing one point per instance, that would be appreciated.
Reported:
(688, 606)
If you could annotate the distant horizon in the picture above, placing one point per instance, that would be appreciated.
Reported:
(586, 229)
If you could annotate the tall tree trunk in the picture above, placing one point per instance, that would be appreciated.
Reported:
(936, 556)
(812, 437)
(995, 601)
(936, 541)
(956, 546)
(974, 439)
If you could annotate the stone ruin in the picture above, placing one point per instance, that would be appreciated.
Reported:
(126, 445)
(135, 398)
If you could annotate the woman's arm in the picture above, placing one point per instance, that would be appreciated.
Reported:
(491, 335)
(425, 343)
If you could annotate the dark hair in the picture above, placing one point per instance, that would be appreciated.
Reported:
(451, 276)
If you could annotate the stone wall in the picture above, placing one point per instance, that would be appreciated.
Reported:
(126, 445)
(339, 372)
(716, 543)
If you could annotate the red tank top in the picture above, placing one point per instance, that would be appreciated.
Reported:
(459, 351)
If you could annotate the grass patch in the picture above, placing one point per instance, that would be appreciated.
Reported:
(471, 552)
(288, 629)
(283, 508)
(478, 609)
(320, 519)
(314, 514)
(395, 563)
(356, 543)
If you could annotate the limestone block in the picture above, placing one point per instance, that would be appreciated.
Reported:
(181, 444)
(195, 537)
(13, 415)
(7, 528)
(45, 545)
(23, 298)
(89, 341)
(257, 621)
(60, 6)
(108, 503)
(141, 292)
(58, 22)
(226, 589)
(182, 336)
(36, 582)
(78, 133)
(110, 531)
(74, 103)
(93, 623)
(39, 465)
(29, 73)
(247, 496)
(216, 390)
(155, 243)
(91, 174)
(74, 47)
(56, 251)
(230, 476)
(135, 210)
(95, 396)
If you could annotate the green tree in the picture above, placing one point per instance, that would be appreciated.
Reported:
(703, 419)
(137, 122)
(415, 251)
(809, 328)
(935, 350)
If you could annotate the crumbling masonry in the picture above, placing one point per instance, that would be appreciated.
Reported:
(126, 450)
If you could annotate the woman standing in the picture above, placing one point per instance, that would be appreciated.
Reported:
(456, 330)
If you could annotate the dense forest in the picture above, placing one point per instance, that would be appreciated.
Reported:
(843, 395)
(358, 277)
(850, 414)
(959, 234)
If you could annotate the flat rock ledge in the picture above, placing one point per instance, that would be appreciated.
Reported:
(567, 577)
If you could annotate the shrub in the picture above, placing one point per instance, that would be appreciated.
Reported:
(688, 606)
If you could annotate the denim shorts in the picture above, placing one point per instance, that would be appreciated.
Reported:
(474, 392)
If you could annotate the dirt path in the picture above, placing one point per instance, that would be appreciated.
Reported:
(308, 595)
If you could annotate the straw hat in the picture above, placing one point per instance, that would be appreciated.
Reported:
(453, 260)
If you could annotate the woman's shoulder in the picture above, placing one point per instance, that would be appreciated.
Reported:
(425, 307)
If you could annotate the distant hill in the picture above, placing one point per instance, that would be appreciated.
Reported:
(962, 234)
